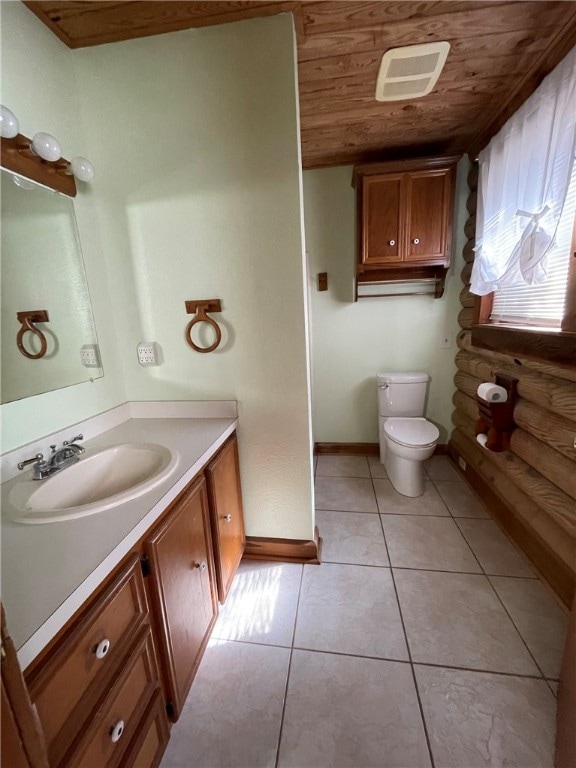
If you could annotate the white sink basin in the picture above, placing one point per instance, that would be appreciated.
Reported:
(101, 479)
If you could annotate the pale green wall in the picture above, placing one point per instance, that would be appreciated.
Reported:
(351, 342)
(194, 137)
(39, 86)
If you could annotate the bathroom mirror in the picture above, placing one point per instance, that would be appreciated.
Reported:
(42, 274)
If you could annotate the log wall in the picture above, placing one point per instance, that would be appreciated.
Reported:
(531, 488)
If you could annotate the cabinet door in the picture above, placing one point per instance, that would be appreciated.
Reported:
(181, 581)
(381, 225)
(428, 200)
(227, 519)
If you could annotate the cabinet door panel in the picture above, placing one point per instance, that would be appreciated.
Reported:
(180, 556)
(427, 216)
(381, 219)
(151, 738)
(223, 476)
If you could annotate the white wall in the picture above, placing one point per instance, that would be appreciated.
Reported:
(351, 342)
(38, 85)
(194, 137)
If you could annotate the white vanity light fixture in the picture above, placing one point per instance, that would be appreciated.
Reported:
(9, 125)
(43, 146)
(46, 146)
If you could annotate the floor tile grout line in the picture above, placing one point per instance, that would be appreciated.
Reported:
(482, 570)
(430, 570)
(281, 729)
(450, 515)
(420, 707)
(434, 665)
(478, 560)
(517, 629)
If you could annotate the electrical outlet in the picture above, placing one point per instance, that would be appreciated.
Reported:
(147, 353)
(446, 341)
(90, 356)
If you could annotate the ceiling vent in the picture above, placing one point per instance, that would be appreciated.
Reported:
(411, 71)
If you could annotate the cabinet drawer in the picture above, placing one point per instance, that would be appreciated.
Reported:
(116, 720)
(66, 687)
(151, 737)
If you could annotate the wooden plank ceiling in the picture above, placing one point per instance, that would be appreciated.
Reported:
(500, 51)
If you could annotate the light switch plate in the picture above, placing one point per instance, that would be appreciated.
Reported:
(446, 341)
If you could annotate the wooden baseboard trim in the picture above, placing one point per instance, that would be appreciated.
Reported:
(351, 449)
(284, 550)
(362, 449)
(557, 574)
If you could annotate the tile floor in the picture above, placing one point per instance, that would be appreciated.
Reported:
(424, 639)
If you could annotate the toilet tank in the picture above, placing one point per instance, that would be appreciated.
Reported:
(401, 394)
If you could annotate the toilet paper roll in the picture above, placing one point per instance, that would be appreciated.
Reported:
(482, 439)
(493, 393)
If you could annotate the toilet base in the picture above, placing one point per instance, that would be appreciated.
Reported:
(406, 476)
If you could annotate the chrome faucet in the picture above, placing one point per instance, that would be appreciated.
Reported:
(59, 459)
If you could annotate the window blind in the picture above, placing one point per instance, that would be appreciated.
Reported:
(542, 304)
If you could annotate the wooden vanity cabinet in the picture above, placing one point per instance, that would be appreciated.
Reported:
(226, 515)
(404, 214)
(182, 588)
(107, 684)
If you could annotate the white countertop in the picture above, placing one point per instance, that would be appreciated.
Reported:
(49, 570)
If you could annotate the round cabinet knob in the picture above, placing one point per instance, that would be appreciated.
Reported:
(416, 240)
(391, 242)
(227, 518)
(201, 567)
(102, 648)
(116, 731)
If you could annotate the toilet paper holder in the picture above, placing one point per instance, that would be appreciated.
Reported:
(496, 419)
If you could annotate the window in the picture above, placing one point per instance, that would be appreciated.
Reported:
(543, 304)
(525, 264)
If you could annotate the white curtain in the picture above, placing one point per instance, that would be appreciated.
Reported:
(524, 175)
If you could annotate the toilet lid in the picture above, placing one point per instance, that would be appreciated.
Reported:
(409, 432)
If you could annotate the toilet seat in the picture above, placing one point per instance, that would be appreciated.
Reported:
(413, 432)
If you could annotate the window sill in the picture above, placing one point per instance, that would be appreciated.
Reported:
(553, 346)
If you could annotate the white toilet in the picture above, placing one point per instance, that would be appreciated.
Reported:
(406, 438)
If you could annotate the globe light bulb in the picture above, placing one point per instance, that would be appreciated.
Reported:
(82, 168)
(46, 146)
(9, 125)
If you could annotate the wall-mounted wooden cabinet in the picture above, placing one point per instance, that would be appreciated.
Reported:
(106, 686)
(404, 219)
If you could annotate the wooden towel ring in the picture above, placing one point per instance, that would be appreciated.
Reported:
(28, 319)
(201, 308)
